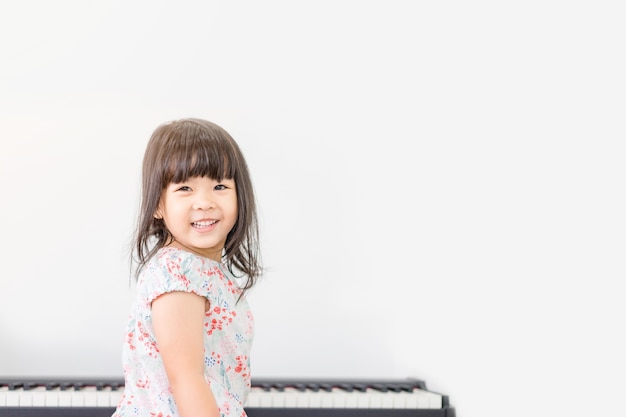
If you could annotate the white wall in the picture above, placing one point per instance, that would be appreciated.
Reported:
(441, 185)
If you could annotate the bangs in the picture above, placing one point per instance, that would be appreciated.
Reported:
(192, 156)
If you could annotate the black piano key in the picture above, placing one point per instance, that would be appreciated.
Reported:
(300, 386)
(30, 385)
(379, 387)
(52, 385)
(360, 387)
(15, 385)
(313, 387)
(326, 387)
(346, 387)
(394, 388)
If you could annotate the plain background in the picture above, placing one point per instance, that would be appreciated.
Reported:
(441, 185)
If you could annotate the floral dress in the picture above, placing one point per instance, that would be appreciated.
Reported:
(228, 333)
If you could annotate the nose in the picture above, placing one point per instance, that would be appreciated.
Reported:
(203, 201)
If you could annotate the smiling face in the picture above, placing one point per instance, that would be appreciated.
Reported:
(199, 213)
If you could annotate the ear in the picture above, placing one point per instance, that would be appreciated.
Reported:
(157, 214)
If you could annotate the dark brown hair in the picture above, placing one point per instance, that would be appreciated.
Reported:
(187, 148)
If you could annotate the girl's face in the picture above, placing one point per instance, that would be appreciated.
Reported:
(199, 213)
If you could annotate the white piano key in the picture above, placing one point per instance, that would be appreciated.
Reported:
(64, 397)
(362, 399)
(52, 397)
(418, 399)
(266, 399)
(275, 400)
(434, 400)
(3, 396)
(254, 397)
(25, 397)
(38, 395)
(288, 397)
(90, 395)
(103, 397)
(375, 398)
(302, 399)
(327, 399)
(387, 399)
(314, 398)
(422, 398)
(283, 398)
(77, 398)
(351, 399)
(319, 399)
(116, 396)
(13, 398)
(404, 400)
(411, 400)
(339, 398)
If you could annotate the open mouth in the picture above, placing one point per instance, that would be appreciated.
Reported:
(204, 223)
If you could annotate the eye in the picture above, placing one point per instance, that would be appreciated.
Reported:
(183, 188)
(226, 184)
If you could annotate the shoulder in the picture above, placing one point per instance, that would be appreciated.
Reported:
(173, 269)
(175, 260)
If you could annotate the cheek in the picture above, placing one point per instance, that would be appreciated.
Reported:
(235, 210)
(233, 214)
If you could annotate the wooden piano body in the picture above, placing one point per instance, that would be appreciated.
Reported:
(269, 397)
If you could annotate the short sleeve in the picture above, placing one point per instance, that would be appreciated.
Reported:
(177, 270)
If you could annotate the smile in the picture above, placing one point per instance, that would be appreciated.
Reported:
(204, 223)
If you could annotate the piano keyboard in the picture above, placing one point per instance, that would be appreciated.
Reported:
(268, 398)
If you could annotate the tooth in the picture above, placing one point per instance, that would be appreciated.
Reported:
(204, 224)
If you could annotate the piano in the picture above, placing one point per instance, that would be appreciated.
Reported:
(269, 397)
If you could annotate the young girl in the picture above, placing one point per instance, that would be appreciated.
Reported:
(190, 329)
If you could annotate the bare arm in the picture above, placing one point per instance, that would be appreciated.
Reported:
(178, 325)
